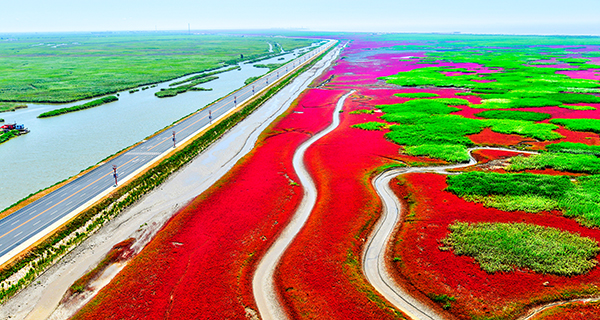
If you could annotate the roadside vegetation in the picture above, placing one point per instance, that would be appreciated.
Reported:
(251, 79)
(502, 247)
(91, 104)
(23, 270)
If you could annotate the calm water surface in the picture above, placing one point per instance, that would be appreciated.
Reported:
(60, 147)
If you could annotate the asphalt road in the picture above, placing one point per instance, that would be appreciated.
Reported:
(32, 222)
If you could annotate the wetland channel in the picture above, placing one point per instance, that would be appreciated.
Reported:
(60, 147)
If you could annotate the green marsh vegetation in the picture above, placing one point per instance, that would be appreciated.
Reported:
(427, 127)
(512, 81)
(576, 199)
(9, 106)
(370, 125)
(591, 125)
(270, 66)
(191, 86)
(91, 104)
(36, 69)
(514, 115)
(571, 147)
(583, 163)
(5, 136)
(417, 95)
(502, 247)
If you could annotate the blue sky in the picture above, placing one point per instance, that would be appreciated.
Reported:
(473, 16)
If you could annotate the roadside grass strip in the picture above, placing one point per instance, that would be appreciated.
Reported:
(502, 247)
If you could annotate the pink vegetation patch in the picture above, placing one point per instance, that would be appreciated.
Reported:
(429, 270)
(200, 264)
(582, 74)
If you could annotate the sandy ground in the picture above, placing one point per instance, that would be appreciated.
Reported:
(42, 299)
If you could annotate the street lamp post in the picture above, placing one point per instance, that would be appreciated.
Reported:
(115, 174)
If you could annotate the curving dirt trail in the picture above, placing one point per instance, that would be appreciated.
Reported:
(375, 266)
(262, 283)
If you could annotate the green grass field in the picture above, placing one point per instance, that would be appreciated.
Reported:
(70, 67)
(577, 199)
(501, 247)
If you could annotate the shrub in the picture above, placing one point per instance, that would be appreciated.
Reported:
(514, 115)
(504, 246)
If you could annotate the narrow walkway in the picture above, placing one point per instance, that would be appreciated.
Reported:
(263, 283)
(375, 265)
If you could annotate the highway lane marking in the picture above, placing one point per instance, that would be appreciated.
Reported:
(12, 224)
(37, 222)
(241, 92)
(63, 200)
(18, 234)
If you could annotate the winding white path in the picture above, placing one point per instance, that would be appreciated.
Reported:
(263, 282)
(375, 267)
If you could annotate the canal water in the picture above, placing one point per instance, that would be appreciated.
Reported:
(60, 147)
